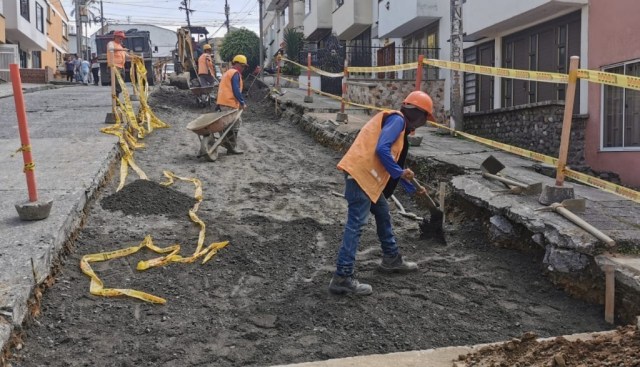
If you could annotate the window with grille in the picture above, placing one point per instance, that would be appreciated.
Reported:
(621, 111)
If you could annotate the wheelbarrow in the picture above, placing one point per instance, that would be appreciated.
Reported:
(211, 129)
(203, 95)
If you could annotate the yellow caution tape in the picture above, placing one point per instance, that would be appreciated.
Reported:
(24, 148)
(96, 286)
(380, 69)
(171, 253)
(29, 167)
(315, 69)
(541, 76)
(578, 176)
(617, 80)
(339, 98)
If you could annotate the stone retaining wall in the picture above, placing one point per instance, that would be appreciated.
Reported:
(389, 93)
(536, 127)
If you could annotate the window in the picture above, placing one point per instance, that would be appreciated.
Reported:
(39, 18)
(49, 13)
(307, 7)
(478, 89)
(65, 30)
(422, 42)
(23, 59)
(621, 111)
(24, 9)
(36, 59)
(544, 47)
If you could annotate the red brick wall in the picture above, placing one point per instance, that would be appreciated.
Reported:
(36, 76)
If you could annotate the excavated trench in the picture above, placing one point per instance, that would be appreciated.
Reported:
(263, 299)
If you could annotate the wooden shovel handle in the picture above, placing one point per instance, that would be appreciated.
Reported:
(584, 225)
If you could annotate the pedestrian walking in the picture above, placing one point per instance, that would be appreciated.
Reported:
(85, 67)
(70, 68)
(118, 57)
(95, 69)
(230, 97)
(372, 167)
(76, 69)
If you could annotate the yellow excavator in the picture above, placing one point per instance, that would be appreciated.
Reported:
(186, 60)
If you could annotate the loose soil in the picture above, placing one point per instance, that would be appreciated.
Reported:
(620, 349)
(144, 197)
(263, 299)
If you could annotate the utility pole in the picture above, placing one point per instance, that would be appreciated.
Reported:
(226, 13)
(185, 7)
(78, 28)
(260, 6)
(101, 19)
(457, 48)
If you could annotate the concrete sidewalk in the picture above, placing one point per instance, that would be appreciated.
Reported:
(72, 157)
(6, 89)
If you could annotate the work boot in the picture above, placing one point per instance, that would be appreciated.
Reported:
(397, 264)
(231, 143)
(349, 285)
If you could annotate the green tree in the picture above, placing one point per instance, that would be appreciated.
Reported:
(241, 42)
(294, 41)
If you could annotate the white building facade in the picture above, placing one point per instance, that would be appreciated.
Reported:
(26, 27)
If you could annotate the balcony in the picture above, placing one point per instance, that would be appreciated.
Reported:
(482, 21)
(275, 4)
(22, 31)
(318, 23)
(351, 17)
(399, 19)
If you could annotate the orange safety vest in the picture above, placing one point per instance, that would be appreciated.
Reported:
(119, 54)
(205, 66)
(362, 162)
(225, 90)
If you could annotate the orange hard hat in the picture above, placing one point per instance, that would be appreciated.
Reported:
(119, 34)
(420, 100)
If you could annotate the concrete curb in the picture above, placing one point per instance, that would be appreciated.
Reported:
(34, 89)
(16, 311)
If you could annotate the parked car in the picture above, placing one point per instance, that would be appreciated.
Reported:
(168, 70)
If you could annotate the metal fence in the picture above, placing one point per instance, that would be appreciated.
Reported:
(331, 59)
(8, 55)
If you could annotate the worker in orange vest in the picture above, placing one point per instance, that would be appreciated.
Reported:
(118, 57)
(230, 98)
(206, 70)
(373, 166)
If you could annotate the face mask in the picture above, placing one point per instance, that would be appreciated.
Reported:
(415, 118)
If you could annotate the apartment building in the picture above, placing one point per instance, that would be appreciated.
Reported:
(26, 27)
(532, 35)
(57, 35)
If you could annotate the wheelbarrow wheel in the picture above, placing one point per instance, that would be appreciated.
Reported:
(206, 147)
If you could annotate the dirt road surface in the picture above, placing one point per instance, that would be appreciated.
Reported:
(263, 300)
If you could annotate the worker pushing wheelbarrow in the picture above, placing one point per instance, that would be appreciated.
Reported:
(212, 130)
(206, 78)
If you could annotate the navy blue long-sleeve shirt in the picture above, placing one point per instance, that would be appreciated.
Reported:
(391, 129)
(235, 86)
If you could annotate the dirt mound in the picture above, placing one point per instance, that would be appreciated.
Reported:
(171, 97)
(143, 197)
(618, 348)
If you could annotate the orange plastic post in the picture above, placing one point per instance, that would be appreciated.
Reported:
(309, 74)
(23, 128)
(344, 85)
(419, 72)
(570, 97)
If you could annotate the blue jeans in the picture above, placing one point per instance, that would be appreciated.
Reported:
(359, 207)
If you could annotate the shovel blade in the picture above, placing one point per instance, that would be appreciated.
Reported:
(575, 205)
(492, 165)
(533, 189)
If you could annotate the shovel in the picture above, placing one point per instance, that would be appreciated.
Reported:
(490, 169)
(567, 209)
(403, 212)
(436, 216)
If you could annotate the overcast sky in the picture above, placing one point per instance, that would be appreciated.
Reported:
(165, 13)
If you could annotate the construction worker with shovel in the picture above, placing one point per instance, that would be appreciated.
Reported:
(230, 97)
(373, 166)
